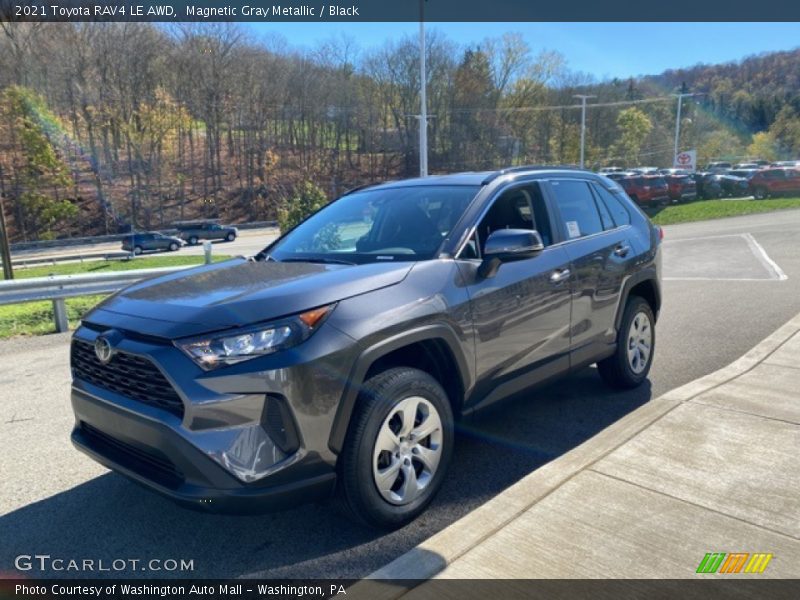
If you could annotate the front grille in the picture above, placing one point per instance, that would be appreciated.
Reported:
(146, 462)
(126, 374)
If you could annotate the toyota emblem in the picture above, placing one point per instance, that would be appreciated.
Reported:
(103, 350)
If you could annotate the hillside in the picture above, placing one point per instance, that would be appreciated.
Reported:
(138, 125)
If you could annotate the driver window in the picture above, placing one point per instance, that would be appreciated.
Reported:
(519, 208)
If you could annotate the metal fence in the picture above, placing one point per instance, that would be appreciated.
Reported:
(58, 288)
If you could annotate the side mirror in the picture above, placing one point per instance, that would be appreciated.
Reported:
(506, 245)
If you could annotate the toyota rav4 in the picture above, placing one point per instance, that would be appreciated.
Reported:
(336, 361)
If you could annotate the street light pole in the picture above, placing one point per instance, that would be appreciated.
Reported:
(423, 95)
(583, 98)
(678, 123)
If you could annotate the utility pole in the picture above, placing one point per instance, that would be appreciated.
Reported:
(5, 249)
(583, 98)
(680, 96)
(423, 95)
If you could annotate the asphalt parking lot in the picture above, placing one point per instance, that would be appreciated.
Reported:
(728, 284)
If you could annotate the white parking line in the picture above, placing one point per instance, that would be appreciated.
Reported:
(758, 252)
(762, 255)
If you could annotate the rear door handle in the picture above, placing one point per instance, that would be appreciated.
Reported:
(559, 276)
(622, 250)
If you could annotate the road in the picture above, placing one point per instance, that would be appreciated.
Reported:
(247, 243)
(56, 501)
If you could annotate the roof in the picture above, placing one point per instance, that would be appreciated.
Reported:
(475, 178)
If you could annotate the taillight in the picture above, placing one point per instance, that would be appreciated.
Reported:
(660, 233)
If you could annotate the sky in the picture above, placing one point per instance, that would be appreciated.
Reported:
(605, 50)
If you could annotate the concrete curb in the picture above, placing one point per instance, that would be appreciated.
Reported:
(438, 551)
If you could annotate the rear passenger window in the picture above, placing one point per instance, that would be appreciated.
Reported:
(577, 207)
(614, 205)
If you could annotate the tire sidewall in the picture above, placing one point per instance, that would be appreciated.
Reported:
(364, 493)
(137, 250)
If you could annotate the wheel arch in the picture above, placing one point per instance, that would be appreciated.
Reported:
(645, 285)
(435, 349)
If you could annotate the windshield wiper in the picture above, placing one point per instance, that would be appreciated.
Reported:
(321, 260)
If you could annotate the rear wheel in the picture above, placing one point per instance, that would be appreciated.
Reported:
(760, 193)
(137, 250)
(629, 365)
(397, 450)
(193, 240)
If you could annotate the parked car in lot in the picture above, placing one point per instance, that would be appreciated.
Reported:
(674, 171)
(732, 185)
(646, 190)
(151, 240)
(681, 187)
(607, 170)
(786, 163)
(719, 167)
(744, 173)
(336, 360)
(747, 166)
(708, 185)
(774, 182)
(194, 231)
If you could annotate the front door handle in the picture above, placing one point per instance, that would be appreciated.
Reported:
(559, 276)
(622, 250)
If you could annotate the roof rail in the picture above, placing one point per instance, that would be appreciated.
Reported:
(359, 187)
(523, 168)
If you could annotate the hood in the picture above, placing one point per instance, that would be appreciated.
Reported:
(236, 293)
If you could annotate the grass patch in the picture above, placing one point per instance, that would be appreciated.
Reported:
(36, 318)
(701, 210)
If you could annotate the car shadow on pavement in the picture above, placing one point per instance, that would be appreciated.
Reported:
(111, 518)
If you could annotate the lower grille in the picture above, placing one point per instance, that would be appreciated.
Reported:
(126, 374)
(147, 462)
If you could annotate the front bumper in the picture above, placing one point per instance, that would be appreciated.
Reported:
(148, 452)
(246, 438)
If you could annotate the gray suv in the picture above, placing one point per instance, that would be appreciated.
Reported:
(151, 240)
(337, 360)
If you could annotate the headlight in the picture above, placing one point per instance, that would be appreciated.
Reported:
(229, 348)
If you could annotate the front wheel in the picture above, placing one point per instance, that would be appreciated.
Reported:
(760, 193)
(193, 240)
(173, 247)
(628, 367)
(397, 450)
(230, 237)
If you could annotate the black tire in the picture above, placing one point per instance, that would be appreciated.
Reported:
(616, 370)
(173, 247)
(760, 193)
(230, 237)
(357, 493)
(137, 250)
(193, 240)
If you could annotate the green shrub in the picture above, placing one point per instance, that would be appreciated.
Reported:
(308, 198)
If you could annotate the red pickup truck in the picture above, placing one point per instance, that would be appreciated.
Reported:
(646, 189)
(774, 182)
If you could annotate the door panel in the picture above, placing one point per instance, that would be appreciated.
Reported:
(521, 322)
(600, 254)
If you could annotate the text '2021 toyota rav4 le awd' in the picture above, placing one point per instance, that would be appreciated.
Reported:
(337, 360)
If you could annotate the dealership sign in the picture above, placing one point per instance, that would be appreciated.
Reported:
(686, 160)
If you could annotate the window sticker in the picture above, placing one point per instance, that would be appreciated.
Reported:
(573, 229)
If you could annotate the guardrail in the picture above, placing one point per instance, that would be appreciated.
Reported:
(52, 260)
(59, 288)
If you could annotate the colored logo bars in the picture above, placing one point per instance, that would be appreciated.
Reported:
(734, 562)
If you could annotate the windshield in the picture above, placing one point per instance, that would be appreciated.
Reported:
(406, 223)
